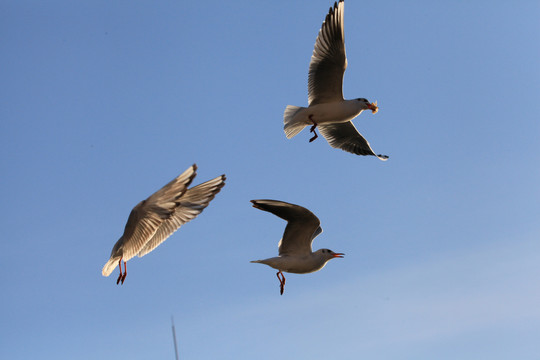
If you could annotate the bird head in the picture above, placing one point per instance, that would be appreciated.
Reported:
(329, 254)
(367, 105)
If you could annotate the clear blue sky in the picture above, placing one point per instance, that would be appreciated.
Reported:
(104, 102)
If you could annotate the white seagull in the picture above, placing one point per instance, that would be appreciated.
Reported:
(328, 110)
(153, 220)
(295, 253)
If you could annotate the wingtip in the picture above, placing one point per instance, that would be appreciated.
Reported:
(336, 5)
(256, 205)
(222, 182)
(192, 176)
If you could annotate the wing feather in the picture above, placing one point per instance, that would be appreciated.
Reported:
(328, 61)
(191, 204)
(345, 136)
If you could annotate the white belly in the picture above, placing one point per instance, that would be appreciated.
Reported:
(335, 112)
(295, 264)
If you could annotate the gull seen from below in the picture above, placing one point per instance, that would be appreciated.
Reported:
(295, 253)
(153, 220)
(327, 109)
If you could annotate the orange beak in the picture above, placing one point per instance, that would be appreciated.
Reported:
(338, 255)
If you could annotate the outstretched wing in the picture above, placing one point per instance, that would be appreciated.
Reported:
(302, 225)
(328, 62)
(192, 203)
(345, 136)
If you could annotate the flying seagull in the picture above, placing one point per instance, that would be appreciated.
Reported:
(327, 109)
(295, 253)
(153, 220)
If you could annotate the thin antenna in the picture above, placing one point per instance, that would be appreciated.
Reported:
(174, 338)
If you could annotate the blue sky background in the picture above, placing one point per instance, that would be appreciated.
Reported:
(104, 102)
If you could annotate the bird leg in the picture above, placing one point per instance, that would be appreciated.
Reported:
(312, 130)
(120, 268)
(125, 273)
(121, 277)
(281, 282)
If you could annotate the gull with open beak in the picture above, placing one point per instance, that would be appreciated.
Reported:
(153, 220)
(295, 253)
(327, 109)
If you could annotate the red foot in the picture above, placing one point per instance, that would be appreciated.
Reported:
(281, 282)
(121, 277)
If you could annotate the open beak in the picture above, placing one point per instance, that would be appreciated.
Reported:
(338, 255)
(373, 107)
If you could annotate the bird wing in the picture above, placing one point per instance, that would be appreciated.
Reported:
(328, 62)
(192, 203)
(149, 214)
(302, 225)
(345, 136)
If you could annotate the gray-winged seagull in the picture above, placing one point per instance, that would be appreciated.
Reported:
(153, 220)
(327, 109)
(295, 253)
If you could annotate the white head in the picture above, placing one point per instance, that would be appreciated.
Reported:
(328, 254)
(365, 105)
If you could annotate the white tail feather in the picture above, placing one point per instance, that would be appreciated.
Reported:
(292, 125)
(110, 266)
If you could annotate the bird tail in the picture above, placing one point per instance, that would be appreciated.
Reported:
(293, 124)
(109, 266)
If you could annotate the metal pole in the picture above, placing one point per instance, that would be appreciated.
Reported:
(174, 338)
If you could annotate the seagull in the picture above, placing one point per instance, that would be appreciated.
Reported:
(327, 109)
(295, 253)
(153, 220)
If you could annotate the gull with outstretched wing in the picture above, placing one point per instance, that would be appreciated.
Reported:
(327, 109)
(295, 253)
